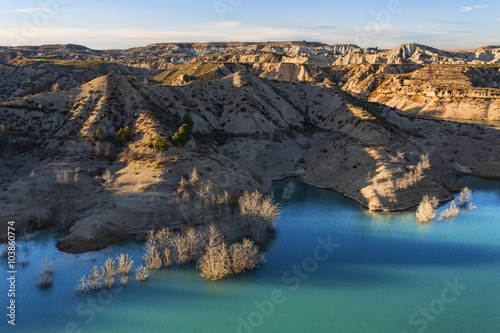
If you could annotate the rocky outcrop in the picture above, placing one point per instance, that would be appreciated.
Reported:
(253, 122)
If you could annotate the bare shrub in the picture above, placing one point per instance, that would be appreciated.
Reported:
(204, 193)
(426, 211)
(152, 257)
(124, 264)
(464, 196)
(109, 272)
(181, 187)
(55, 88)
(415, 174)
(151, 236)
(400, 156)
(94, 279)
(245, 256)
(192, 243)
(288, 191)
(82, 285)
(107, 178)
(193, 178)
(221, 207)
(167, 257)
(179, 249)
(141, 273)
(452, 211)
(162, 237)
(210, 237)
(257, 215)
(215, 263)
(45, 277)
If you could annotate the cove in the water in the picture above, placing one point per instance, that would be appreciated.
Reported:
(385, 274)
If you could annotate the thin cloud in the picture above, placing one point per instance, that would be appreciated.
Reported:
(438, 21)
(318, 27)
(469, 8)
(30, 10)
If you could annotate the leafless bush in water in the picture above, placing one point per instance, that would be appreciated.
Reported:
(426, 211)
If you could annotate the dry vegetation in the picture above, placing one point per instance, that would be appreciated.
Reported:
(46, 276)
(426, 211)
(141, 273)
(450, 212)
(106, 275)
(288, 191)
(206, 246)
(464, 196)
(414, 175)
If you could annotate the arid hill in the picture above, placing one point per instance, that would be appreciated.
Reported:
(87, 137)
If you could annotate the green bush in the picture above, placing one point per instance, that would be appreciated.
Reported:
(159, 143)
(99, 134)
(181, 137)
(123, 135)
(188, 120)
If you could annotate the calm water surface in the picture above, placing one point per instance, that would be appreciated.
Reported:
(385, 274)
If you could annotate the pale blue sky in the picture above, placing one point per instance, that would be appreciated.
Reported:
(108, 24)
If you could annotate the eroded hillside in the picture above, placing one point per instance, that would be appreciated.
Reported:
(95, 154)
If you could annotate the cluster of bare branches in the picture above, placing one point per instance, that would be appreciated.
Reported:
(288, 191)
(414, 175)
(426, 211)
(208, 247)
(450, 212)
(106, 275)
(257, 214)
(46, 276)
(141, 273)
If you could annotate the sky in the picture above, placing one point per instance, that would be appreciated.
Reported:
(111, 24)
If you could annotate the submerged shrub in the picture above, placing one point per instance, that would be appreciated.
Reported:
(109, 272)
(245, 256)
(472, 206)
(124, 264)
(288, 191)
(215, 263)
(426, 211)
(464, 196)
(94, 279)
(257, 215)
(141, 273)
(167, 257)
(179, 249)
(192, 243)
(124, 280)
(152, 257)
(82, 285)
(452, 211)
(162, 237)
(45, 277)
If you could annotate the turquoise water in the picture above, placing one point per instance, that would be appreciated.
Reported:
(379, 272)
